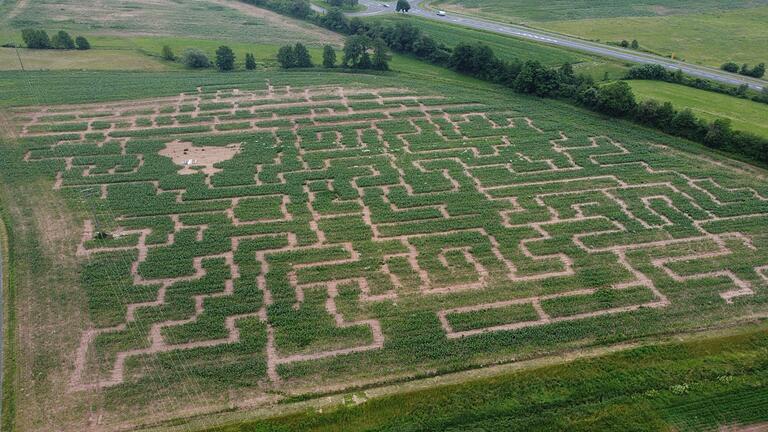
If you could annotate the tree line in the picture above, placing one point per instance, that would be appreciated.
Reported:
(531, 77)
(757, 71)
(194, 58)
(39, 39)
(615, 99)
(343, 3)
(659, 73)
(360, 52)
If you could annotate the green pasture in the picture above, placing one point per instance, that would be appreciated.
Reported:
(196, 19)
(325, 5)
(509, 48)
(710, 38)
(744, 114)
(566, 10)
(708, 33)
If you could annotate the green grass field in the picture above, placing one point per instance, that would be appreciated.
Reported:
(710, 38)
(692, 386)
(325, 5)
(744, 114)
(282, 235)
(509, 48)
(96, 59)
(566, 10)
(708, 33)
(220, 20)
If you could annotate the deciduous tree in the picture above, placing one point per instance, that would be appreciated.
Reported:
(62, 40)
(82, 43)
(225, 58)
(36, 39)
(168, 54)
(195, 59)
(329, 57)
(380, 57)
(286, 57)
(250, 62)
(303, 59)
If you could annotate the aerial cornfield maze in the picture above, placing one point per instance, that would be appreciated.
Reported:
(305, 238)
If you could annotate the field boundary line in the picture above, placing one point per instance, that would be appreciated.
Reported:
(406, 384)
(6, 396)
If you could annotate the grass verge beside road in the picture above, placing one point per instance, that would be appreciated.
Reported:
(744, 114)
(510, 48)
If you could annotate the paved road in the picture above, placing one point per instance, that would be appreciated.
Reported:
(378, 7)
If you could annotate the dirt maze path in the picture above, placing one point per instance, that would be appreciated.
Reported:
(396, 196)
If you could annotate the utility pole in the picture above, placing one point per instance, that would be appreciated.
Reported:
(19, 56)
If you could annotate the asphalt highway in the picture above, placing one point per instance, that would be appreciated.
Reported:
(384, 7)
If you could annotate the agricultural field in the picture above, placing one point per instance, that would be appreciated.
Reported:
(346, 8)
(707, 33)
(219, 20)
(95, 59)
(223, 242)
(702, 383)
(744, 114)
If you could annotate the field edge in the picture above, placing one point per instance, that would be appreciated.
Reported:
(328, 402)
(8, 346)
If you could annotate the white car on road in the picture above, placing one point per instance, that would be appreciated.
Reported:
(440, 13)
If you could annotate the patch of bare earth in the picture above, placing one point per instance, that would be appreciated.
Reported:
(190, 157)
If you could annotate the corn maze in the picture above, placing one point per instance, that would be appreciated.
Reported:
(308, 234)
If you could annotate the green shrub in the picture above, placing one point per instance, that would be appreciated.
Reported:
(82, 43)
(195, 59)
(36, 39)
(168, 54)
(62, 40)
(225, 58)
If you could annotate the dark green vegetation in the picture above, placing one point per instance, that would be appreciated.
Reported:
(758, 71)
(354, 230)
(531, 77)
(692, 386)
(38, 39)
(225, 59)
(296, 56)
(708, 32)
(506, 48)
(745, 115)
(658, 73)
(344, 5)
(195, 59)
